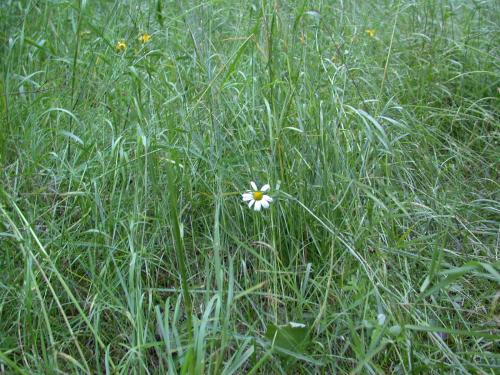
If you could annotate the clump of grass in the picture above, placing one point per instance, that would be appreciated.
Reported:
(126, 246)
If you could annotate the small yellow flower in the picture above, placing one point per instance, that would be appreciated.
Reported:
(121, 46)
(144, 38)
(371, 32)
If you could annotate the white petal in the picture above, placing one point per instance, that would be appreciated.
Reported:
(257, 205)
(251, 202)
(296, 325)
(254, 186)
(266, 187)
(265, 203)
(246, 196)
(267, 198)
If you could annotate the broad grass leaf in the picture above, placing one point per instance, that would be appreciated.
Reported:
(290, 337)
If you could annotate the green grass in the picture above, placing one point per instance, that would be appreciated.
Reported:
(126, 248)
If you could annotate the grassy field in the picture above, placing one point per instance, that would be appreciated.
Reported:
(131, 129)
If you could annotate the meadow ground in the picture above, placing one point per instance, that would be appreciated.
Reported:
(130, 130)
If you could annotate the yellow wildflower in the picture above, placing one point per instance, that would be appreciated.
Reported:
(371, 32)
(121, 46)
(144, 38)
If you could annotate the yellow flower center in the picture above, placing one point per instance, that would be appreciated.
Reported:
(257, 195)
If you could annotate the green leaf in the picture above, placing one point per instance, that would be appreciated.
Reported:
(291, 337)
(72, 136)
(159, 15)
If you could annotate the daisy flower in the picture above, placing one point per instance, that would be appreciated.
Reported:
(257, 198)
